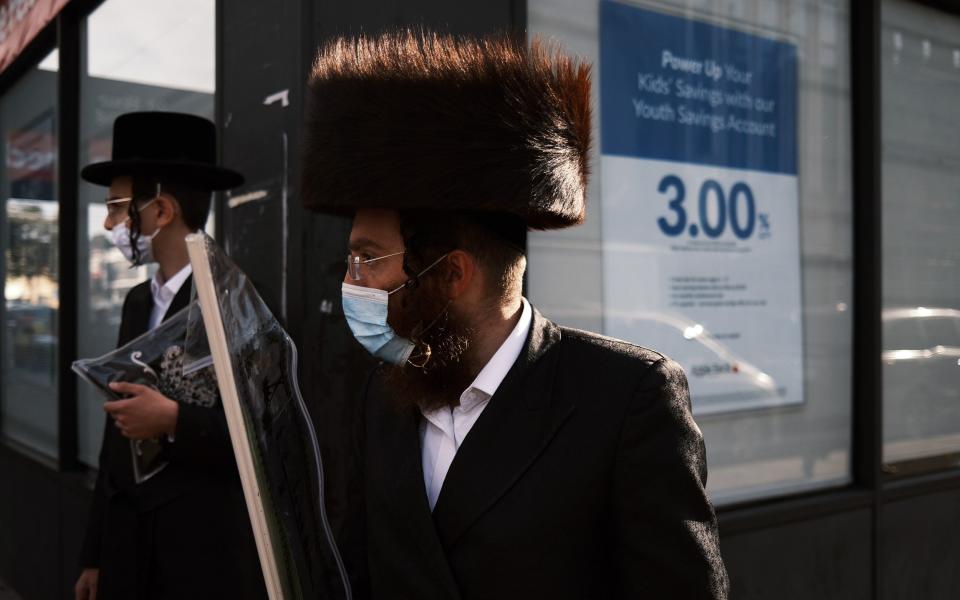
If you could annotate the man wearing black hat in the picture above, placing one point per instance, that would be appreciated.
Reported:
(183, 532)
(496, 454)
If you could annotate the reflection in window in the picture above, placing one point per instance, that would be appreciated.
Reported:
(138, 55)
(758, 445)
(30, 230)
(921, 216)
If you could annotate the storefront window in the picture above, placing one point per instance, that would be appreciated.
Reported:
(30, 231)
(719, 221)
(921, 217)
(137, 55)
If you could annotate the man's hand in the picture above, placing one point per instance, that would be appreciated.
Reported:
(86, 587)
(146, 414)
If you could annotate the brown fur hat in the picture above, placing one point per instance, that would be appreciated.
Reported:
(427, 121)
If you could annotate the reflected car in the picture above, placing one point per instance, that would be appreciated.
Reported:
(734, 383)
(30, 339)
(921, 374)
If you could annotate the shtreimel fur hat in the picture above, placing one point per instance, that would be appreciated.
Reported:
(427, 121)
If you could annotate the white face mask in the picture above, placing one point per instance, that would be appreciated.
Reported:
(120, 235)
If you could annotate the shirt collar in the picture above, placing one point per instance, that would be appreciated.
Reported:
(166, 290)
(492, 374)
(486, 382)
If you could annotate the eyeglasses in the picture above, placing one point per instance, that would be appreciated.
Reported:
(354, 264)
(117, 207)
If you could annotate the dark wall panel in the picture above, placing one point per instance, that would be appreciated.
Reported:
(76, 497)
(920, 547)
(260, 81)
(826, 558)
(43, 518)
(29, 527)
(468, 16)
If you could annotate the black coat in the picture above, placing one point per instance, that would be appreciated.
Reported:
(184, 533)
(583, 478)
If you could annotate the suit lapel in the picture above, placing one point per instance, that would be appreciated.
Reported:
(136, 317)
(181, 300)
(514, 428)
(398, 460)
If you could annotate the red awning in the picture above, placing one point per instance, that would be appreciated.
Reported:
(20, 22)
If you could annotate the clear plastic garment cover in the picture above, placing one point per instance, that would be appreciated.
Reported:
(226, 351)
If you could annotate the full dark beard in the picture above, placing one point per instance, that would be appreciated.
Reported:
(429, 320)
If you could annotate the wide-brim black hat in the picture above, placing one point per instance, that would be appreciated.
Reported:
(167, 145)
(415, 120)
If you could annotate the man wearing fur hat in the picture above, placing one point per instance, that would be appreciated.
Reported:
(496, 454)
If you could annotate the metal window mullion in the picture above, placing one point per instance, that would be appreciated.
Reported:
(68, 145)
(867, 393)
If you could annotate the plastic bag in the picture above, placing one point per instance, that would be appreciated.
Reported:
(252, 362)
(164, 360)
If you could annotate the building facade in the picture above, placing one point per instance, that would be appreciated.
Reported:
(774, 203)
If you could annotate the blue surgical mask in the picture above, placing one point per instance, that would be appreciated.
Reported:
(366, 311)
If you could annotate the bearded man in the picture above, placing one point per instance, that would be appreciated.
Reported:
(496, 454)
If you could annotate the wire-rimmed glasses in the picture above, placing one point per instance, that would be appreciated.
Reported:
(354, 264)
(119, 206)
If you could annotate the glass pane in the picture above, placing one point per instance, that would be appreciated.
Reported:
(138, 55)
(719, 220)
(921, 218)
(30, 230)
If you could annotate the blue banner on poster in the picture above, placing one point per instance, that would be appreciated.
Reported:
(678, 89)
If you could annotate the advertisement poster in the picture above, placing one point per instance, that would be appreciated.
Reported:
(700, 210)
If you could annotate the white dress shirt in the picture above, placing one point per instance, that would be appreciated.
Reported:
(164, 292)
(443, 430)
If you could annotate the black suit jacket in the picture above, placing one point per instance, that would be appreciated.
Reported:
(583, 478)
(189, 520)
